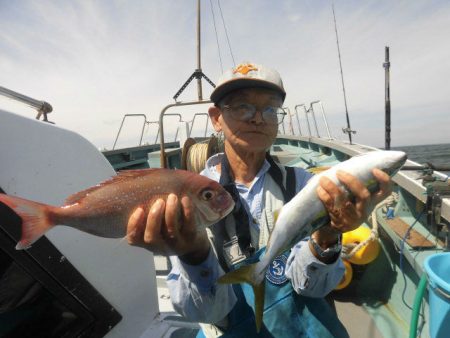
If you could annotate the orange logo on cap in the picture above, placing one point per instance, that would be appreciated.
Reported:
(244, 68)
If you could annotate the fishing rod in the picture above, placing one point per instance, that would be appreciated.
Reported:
(347, 130)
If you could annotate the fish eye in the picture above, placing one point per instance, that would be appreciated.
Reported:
(207, 194)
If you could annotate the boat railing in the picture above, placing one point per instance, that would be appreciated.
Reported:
(310, 111)
(193, 121)
(144, 124)
(289, 115)
(161, 124)
(298, 121)
(42, 107)
(180, 120)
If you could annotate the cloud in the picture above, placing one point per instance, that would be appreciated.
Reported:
(95, 61)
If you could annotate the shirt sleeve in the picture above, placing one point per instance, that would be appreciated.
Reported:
(301, 178)
(309, 276)
(194, 292)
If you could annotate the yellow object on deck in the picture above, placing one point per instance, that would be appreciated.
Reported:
(368, 252)
(347, 278)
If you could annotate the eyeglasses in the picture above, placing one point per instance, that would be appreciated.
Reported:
(245, 112)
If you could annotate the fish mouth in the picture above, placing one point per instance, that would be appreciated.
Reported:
(396, 166)
(225, 212)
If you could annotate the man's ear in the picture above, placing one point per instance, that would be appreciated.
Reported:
(214, 114)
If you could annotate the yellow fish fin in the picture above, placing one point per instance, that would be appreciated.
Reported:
(245, 275)
(258, 290)
(317, 170)
(276, 213)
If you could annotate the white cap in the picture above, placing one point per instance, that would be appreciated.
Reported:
(247, 75)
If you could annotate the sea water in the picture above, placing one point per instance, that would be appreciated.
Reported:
(437, 154)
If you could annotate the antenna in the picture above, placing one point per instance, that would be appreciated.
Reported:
(198, 73)
(347, 130)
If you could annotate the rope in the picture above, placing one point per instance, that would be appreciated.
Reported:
(196, 157)
(217, 37)
(349, 250)
(226, 32)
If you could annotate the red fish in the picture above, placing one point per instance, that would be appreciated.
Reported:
(104, 209)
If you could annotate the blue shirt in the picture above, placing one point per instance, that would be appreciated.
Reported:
(193, 289)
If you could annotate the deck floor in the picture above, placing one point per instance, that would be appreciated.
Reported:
(357, 321)
(355, 318)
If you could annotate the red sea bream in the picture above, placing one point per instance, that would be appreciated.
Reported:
(104, 209)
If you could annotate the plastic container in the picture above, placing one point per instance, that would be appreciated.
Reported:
(437, 268)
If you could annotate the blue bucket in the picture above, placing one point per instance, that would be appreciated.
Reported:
(437, 268)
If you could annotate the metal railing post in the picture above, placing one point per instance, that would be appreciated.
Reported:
(161, 126)
(291, 127)
(323, 116)
(121, 125)
(297, 114)
(311, 110)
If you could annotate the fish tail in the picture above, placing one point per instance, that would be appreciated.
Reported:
(35, 217)
(248, 274)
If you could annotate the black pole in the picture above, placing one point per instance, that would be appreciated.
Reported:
(387, 100)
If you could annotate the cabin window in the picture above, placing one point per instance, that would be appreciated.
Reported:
(27, 308)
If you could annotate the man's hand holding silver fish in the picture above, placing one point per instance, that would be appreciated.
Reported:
(169, 229)
(346, 215)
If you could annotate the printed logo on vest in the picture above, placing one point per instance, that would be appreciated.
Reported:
(275, 272)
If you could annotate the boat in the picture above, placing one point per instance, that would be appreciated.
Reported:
(72, 284)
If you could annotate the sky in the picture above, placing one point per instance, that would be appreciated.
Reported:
(95, 61)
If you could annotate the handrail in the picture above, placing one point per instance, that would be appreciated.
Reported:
(192, 123)
(306, 114)
(157, 133)
(310, 110)
(323, 116)
(179, 120)
(282, 125)
(42, 107)
(290, 120)
(298, 120)
(121, 125)
(161, 125)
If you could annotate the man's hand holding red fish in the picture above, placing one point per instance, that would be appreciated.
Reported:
(169, 229)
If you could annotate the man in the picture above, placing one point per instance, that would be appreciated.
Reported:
(247, 110)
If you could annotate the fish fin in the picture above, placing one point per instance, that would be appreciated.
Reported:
(35, 217)
(259, 291)
(121, 176)
(246, 274)
(317, 170)
(276, 213)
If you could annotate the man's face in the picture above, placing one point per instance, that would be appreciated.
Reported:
(257, 133)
